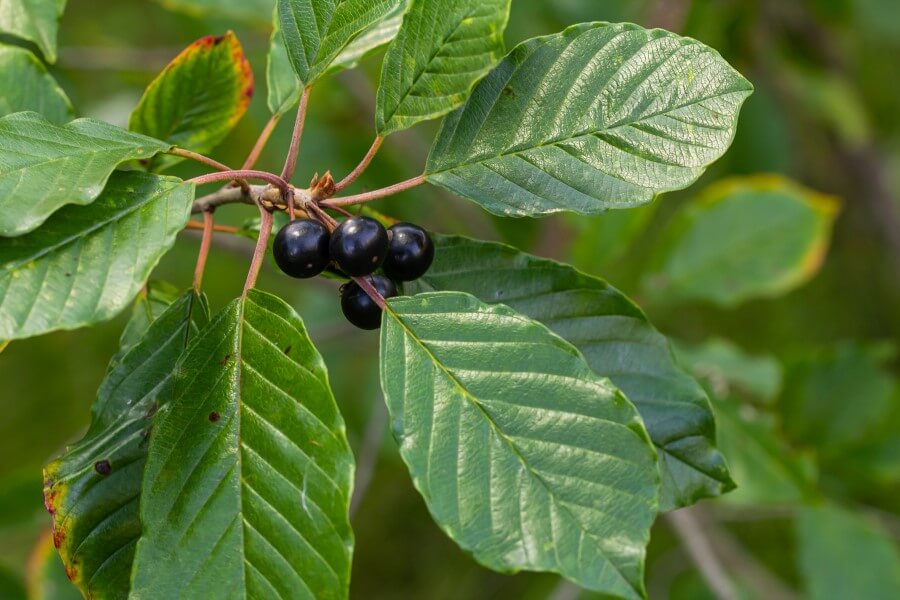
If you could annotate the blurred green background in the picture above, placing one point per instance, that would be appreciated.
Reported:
(802, 376)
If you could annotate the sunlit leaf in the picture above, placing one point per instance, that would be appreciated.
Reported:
(44, 166)
(198, 98)
(92, 490)
(442, 50)
(525, 457)
(25, 85)
(87, 263)
(754, 237)
(33, 20)
(600, 116)
(284, 86)
(618, 342)
(843, 555)
(249, 473)
(316, 31)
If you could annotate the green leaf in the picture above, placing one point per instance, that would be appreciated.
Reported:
(44, 167)
(198, 98)
(33, 20)
(285, 88)
(525, 457)
(442, 50)
(603, 239)
(316, 31)
(753, 237)
(600, 116)
(837, 398)
(88, 262)
(726, 368)
(766, 469)
(92, 490)
(25, 84)
(828, 537)
(615, 338)
(254, 11)
(247, 485)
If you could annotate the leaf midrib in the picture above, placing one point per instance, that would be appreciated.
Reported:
(494, 427)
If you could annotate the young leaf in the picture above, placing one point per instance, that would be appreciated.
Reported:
(87, 262)
(442, 50)
(284, 86)
(525, 457)
(92, 490)
(753, 237)
(615, 338)
(247, 485)
(316, 31)
(25, 84)
(33, 20)
(44, 166)
(600, 116)
(828, 536)
(198, 98)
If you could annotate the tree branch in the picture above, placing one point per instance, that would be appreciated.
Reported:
(376, 194)
(362, 166)
(690, 532)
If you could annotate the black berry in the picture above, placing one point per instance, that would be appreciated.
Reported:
(301, 248)
(359, 246)
(359, 308)
(410, 252)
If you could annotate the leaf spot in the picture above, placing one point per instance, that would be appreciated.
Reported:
(103, 467)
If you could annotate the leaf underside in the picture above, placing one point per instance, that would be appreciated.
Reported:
(248, 479)
(45, 166)
(96, 522)
(87, 263)
(615, 338)
(443, 48)
(599, 116)
(525, 457)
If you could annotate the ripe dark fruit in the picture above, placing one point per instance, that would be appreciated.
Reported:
(359, 246)
(362, 310)
(301, 248)
(410, 252)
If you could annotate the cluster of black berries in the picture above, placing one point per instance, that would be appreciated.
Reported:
(357, 248)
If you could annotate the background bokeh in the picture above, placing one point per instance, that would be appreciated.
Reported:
(803, 380)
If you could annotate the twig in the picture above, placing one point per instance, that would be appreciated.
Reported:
(199, 158)
(362, 166)
(276, 181)
(368, 452)
(197, 225)
(375, 194)
(261, 142)
(690, 532)
(290, 162)
(205, 243)
(262, 244)
(227, 195)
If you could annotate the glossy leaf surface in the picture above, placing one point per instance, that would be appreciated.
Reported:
(87, 263)
(599, 116)
(249, 473)
(525, 457)
(44, 167)
(615, 338)
(442, 50)
(92, 490)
